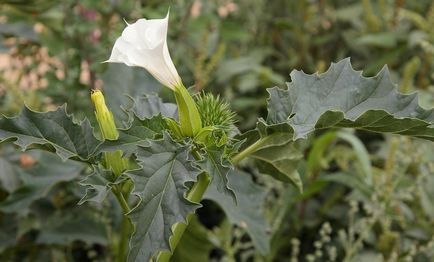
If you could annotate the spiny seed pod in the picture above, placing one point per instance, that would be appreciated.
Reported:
(214, 111)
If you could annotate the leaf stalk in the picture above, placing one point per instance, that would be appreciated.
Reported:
(126, 225)
(249, 150)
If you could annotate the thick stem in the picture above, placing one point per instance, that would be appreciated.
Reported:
(126, 225)
(123, 248)
(194, 195)
(249, 150)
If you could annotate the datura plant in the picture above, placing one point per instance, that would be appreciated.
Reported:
(165, 158)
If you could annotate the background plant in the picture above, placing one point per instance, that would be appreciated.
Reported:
(235, 49)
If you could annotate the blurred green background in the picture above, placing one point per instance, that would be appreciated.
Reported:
(51, 54)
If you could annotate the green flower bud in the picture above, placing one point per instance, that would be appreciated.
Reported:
(108, 129)
(104, 116)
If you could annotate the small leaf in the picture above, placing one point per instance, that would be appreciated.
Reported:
(53, 131)
(249, 213)
(137, 134)
(341, 97)
(276, 155)
(160, 184)
(99, 184)
(280, 159)
(218, 167)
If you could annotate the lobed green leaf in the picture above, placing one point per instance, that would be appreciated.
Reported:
(276, 155)
(342, 97)
(98, 184)
(160, 184)
(53, 131)
(218, 167)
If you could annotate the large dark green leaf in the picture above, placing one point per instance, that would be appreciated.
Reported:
(160, 184)
(249, 212)
(54, 131)
(149, 106)
(341, 97)
(38, 180)
(79, 223)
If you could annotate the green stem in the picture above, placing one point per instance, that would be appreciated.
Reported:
(123, 248)
(249, 150)
(117, 191)
(194, 195)
(126, 225)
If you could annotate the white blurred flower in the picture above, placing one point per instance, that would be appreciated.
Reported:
(144, 44)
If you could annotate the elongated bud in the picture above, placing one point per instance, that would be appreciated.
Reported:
(108, 129)
(189, 116)
(104, 116)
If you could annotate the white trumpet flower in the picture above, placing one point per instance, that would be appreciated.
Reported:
(144, 44)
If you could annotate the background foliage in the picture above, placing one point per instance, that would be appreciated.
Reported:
(365, 197)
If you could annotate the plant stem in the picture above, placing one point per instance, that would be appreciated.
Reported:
(123, 248)
(126, 224)
(194, 195)
(249, 150)
(121, 199)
